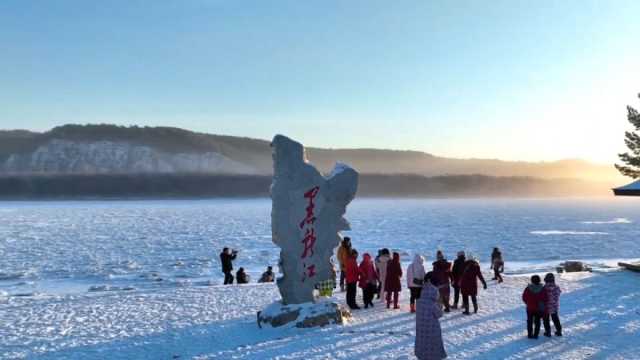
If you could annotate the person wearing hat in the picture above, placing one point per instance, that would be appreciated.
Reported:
(456, 273)
(535, 298)
(552, 305)
(428, 342)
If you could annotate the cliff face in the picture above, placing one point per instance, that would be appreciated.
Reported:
(72, 157)
(101, 149)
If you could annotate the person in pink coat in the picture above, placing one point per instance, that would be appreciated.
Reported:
(368, 280)
(429, 344)
(552, 306)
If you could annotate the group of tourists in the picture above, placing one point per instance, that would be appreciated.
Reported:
(430, 290)
(382, 277)
(227, 256)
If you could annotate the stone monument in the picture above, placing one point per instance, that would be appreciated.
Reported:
(306, 217)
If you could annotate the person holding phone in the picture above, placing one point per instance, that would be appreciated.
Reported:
(226, 258)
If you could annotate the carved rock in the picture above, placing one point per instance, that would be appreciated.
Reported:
(307, 214)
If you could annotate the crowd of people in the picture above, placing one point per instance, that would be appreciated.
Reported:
(382, 278)
(429, 289)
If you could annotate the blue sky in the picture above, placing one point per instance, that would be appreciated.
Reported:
(502, 79)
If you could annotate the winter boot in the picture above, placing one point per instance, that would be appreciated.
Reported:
(466, 310)
(388, 305)
(412, 307)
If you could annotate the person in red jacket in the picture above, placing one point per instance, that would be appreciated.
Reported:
(535, 298)
(352, 276)
(469, 284)
(392, 282)
(368, 280)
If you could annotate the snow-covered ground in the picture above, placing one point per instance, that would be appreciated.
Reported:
(132, 279)
(600, 313)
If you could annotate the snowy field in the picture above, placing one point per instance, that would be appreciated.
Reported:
(140, 279)
(600, 314)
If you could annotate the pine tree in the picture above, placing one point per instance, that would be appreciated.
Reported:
(632, 139)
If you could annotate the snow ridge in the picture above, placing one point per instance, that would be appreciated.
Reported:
(70, 157)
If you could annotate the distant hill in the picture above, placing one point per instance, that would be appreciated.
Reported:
(110, 149)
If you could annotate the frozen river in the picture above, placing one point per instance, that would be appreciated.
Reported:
(94, 246)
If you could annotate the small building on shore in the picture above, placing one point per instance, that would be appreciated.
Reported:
(632, 189)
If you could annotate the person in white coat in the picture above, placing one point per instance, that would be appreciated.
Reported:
(381, 268)
(415, 279)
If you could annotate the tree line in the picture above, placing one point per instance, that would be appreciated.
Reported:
(208, 185)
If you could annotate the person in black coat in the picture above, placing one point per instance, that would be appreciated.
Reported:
(226, 258)
(267, 276)
(242, 277)
(497, 264)
(456, 272)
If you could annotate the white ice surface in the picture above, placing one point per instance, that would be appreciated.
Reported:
(600, 313)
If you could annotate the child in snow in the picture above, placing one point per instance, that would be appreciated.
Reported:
(429, 343)
(368, 280)
(352, 275)
(267, 276)
(392, 284)
(242, 277)
(552, 305)
(415, 279)
(535, 297)
(497, 264)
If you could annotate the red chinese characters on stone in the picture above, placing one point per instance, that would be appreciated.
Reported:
(310, 218)
(309, 271)
(309, 239)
